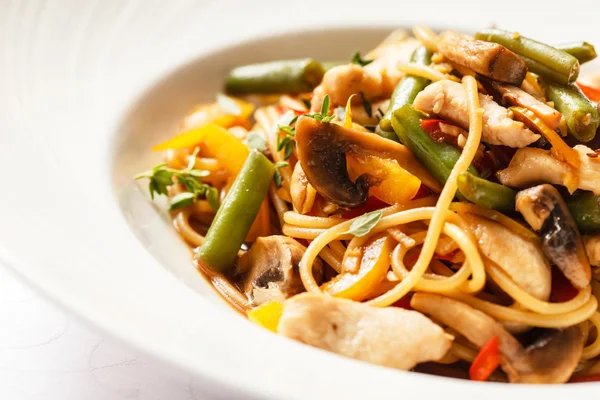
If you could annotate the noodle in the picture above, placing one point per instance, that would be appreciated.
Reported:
(448, 192)
(426, 72)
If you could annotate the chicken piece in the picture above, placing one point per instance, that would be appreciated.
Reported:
(270, 269)
(521, 259)
(392, 337)
(448, 100)
(488, 59)
(546, 212)
(376, 80)
(531, 166)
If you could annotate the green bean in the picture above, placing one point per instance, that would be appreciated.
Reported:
(580, 113)
(564, 67)
(291, 76)
(583, 51)
(585, 209)
(387, 135)
(237, 213)
(487, 194)
(407, 89)
(438, 158)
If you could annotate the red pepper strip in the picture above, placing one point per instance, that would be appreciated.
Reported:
(481, 162)
(562, 289)
(424, 191)
(404, 302)
(588, 378)
(486, 361)
(432, 127)
(591, 93)
(372, 204)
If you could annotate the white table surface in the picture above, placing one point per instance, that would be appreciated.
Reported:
(47, 354)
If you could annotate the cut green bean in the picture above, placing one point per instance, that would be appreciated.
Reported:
(564, 67)
(585, 209)
(236, 215)
(438, 158)
(387, 135)
(580, 113)
(583, 51)
(408, 88)
(487, 194)
(276, 77)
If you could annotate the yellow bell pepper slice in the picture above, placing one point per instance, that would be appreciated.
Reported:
(215, 114)
(218, 143)
(267, 315)
(396, 184)
(374, 266)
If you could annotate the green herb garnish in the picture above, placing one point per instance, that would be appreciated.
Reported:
(277, 178)
(357, 59)
(363, 224)
(161, 177)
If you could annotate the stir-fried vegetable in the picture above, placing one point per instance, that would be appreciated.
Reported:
(236, 215)
(590, 92)
(373, 268)
(396, 185)
(585, 209)
(540, 58)
(267, 315)
(583, 51)
(218, 142)
(486, 361)
(487, 194)
(438, 158)
(581, 114)
(407, 89)
(293, 76)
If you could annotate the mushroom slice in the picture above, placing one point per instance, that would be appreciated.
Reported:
(552, 358)
(488, 59)
(546, 212)
(520, 258)
(519, 97)
(392, 337)
(270, 269)
(322, 149)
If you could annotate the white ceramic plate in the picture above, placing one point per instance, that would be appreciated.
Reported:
(86, 88)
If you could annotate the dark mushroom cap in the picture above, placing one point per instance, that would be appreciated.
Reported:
(546, 212)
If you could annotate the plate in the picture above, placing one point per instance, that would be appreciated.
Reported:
(89, 87)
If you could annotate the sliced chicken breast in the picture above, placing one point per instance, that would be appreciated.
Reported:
(392, 337)
(448, 100)
(521, 259)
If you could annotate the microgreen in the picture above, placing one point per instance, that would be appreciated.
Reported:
(357, 59)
